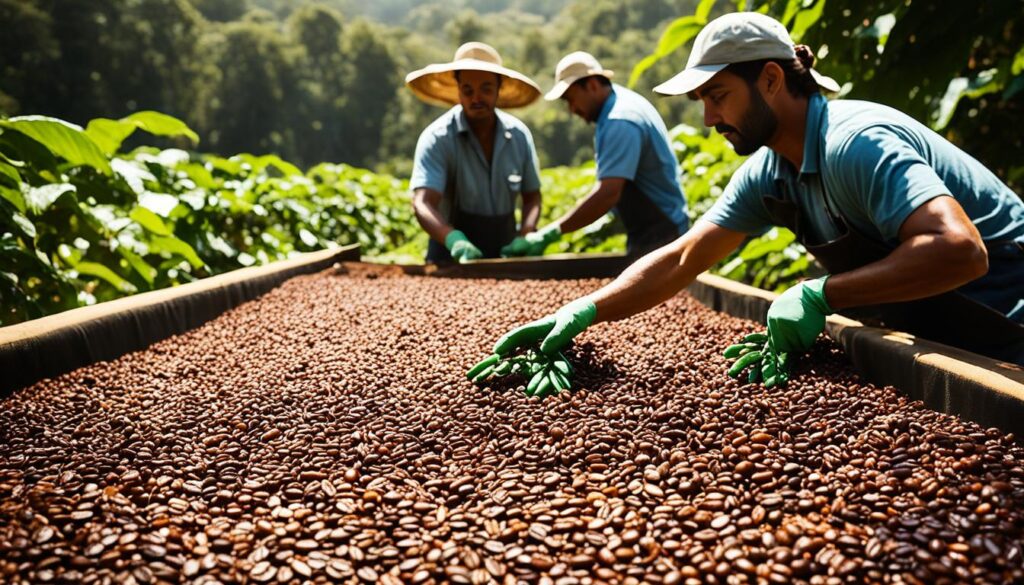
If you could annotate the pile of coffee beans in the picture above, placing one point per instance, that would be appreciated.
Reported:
(327, 433)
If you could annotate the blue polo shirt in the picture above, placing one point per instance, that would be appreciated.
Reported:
(631, 142)
(877, 165)
(449, 160)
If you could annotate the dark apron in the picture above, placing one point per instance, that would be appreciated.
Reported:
(951, 318)
(489, 233)
(647, 226)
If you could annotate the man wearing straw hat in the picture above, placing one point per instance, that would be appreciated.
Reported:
(911, 229)
(637, 171)
(474, 161)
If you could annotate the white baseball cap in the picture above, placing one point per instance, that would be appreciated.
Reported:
(572, 68)
(735, 38)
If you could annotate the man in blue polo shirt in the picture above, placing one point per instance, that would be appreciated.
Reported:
(474, 162)
(637, 171)
(908, 226)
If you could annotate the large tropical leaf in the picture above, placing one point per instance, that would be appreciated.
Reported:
(109, 134)
(63, 139)
(161, 125)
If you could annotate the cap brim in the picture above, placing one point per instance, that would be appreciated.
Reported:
(558, 90)
(560, 87)
(689, 79)
(824, 82)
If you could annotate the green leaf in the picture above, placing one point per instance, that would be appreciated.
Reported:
(10, 172)
(149, 220)
(805, 19)
(173, 245)
(704, 9)
(109, 134)
(22, 223)
(63, 139)
(13, 196)
(101, 271)
(39, 199)
(773, 241)
(678, 33)
(161, 125)
(147, 272)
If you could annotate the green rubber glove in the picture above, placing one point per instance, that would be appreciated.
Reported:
(797, 317)
(517, 247)
(553, 332)
(461, 248)
(757, 352)
(533, 243)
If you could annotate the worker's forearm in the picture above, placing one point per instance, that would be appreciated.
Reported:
(648, 282)
(922, 266)
(431, 220)
(586, 212)
(531, 212)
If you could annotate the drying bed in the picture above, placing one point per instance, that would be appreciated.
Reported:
(326, 432)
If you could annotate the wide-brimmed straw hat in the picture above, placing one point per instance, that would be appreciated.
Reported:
(435, 84)
(735, 38)
(572, 68)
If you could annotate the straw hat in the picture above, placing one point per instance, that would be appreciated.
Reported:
(572, 68)
(435, 84)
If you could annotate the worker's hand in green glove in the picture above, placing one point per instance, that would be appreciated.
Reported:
(533, 243)
(553, 332)
(797, 317)
(517, 247)
(460, 247)
(757, 352)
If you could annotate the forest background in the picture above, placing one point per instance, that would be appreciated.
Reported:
(323, 81)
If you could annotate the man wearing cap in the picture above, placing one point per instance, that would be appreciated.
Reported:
(475, 161)
(637, 171)
(911, 229)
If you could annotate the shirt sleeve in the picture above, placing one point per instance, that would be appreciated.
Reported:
(888, 177)
(531, 172)
(740, 208)
(618, 150)
(429, 167)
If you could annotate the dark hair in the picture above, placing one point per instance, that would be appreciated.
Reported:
(457, 80)
(600, 78)
(799, 81)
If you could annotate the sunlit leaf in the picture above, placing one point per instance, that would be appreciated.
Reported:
(109, 134)
(39, 199)
(101, 271)
(173, 245)
(150, 221)
(62, 138)
(161, 125)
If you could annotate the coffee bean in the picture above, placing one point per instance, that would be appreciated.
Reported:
(343, 442)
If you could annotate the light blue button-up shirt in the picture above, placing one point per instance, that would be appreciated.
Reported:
(450, 160)
(632, 143)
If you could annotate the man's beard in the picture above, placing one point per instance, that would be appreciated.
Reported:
(757, 126)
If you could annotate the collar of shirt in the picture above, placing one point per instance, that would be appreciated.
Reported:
(462, 124)
(813, 137)
(501, 129)
(606, 108)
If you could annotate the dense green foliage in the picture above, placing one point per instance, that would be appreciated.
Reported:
(81, 223)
